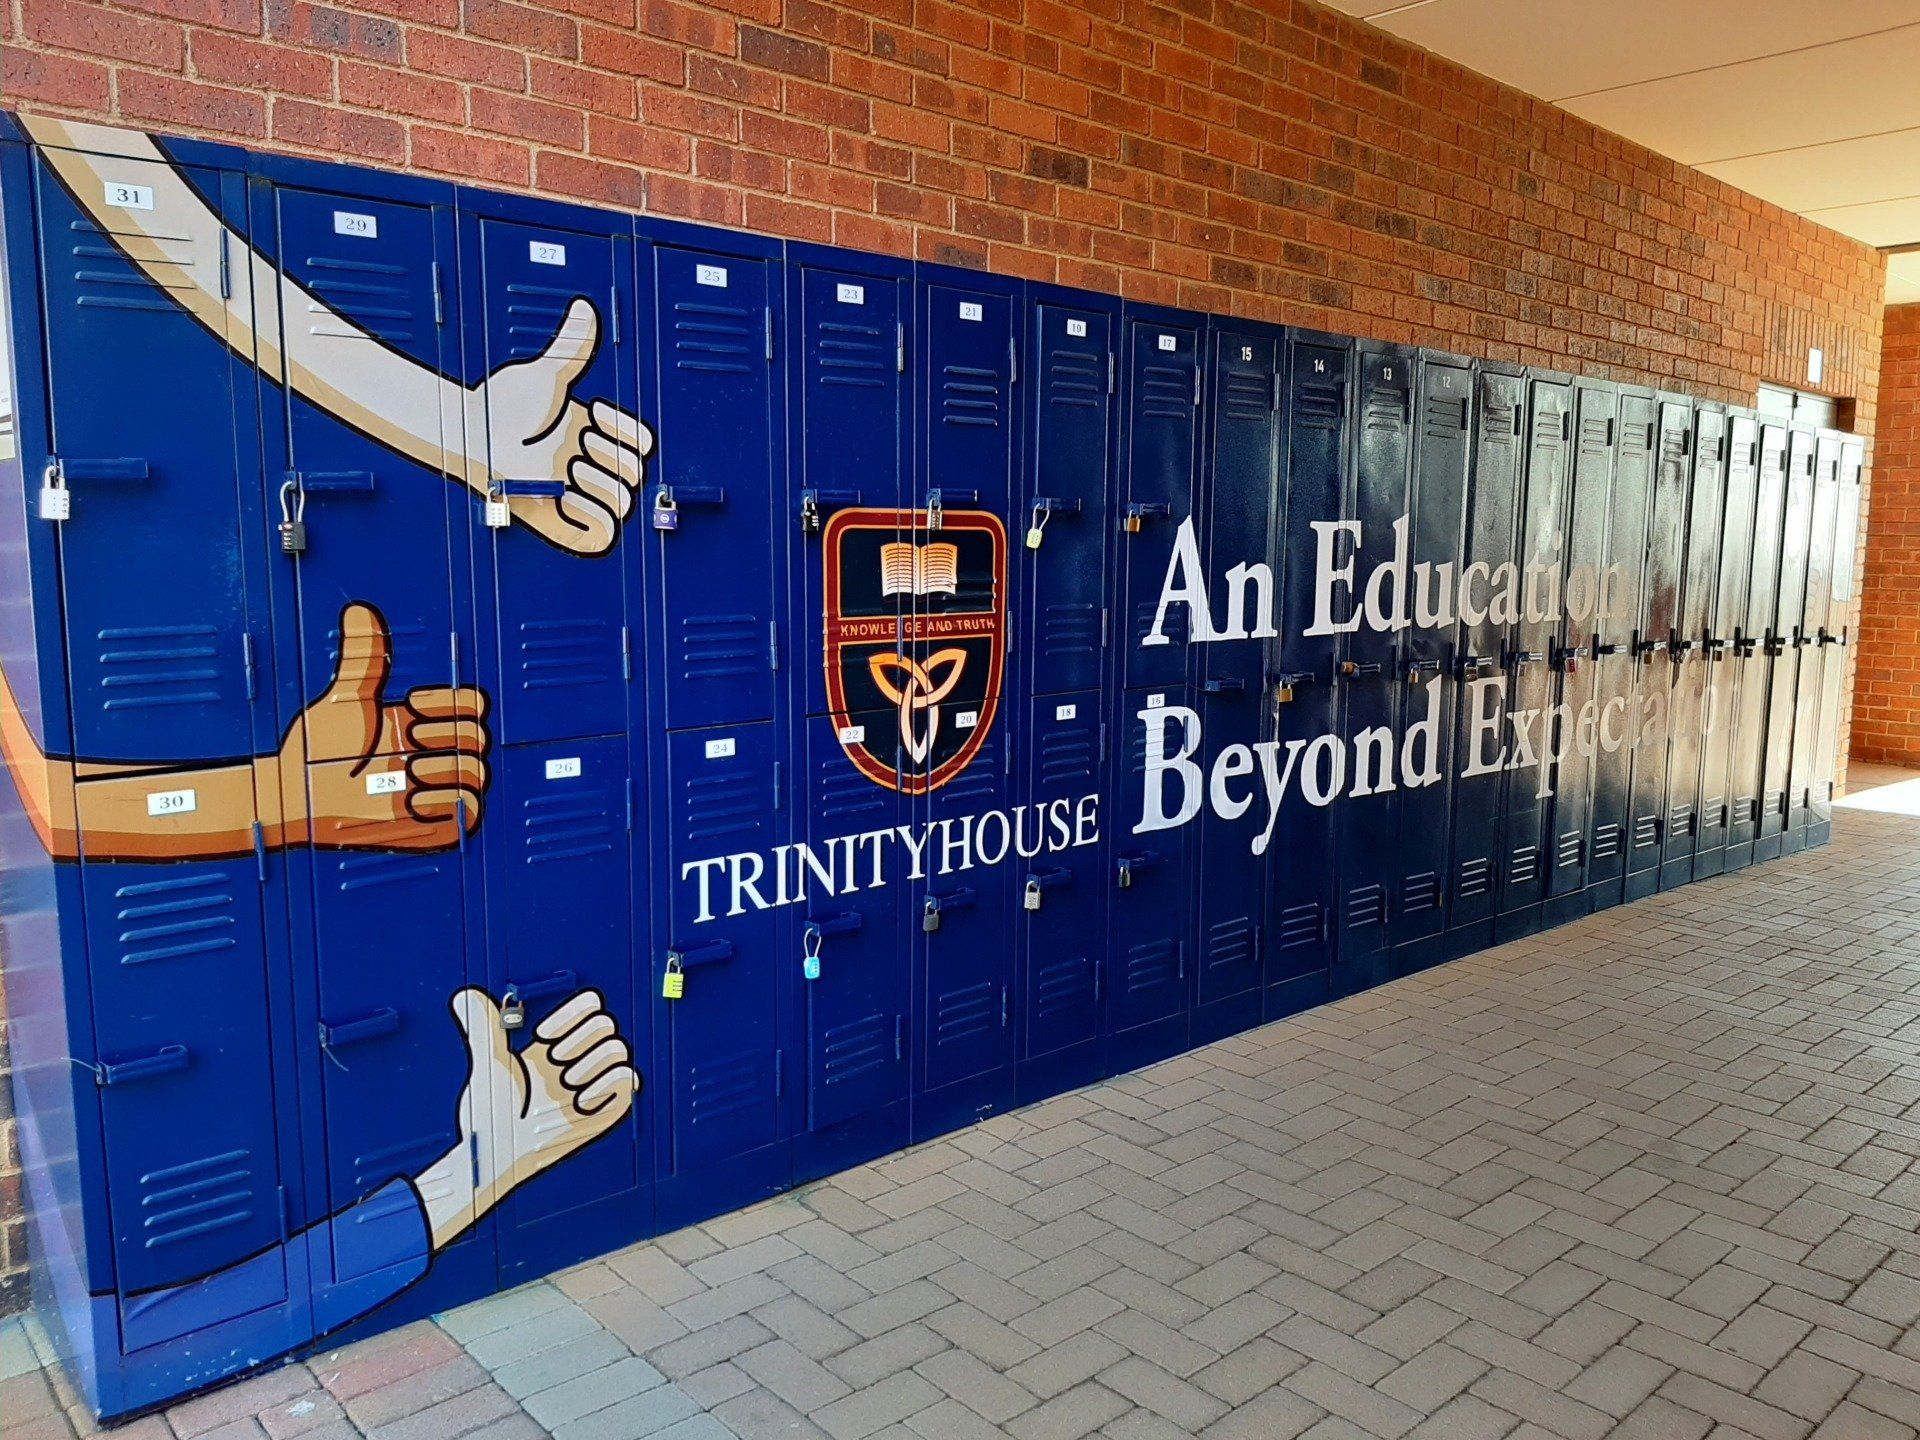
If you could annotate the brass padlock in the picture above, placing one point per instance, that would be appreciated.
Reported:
(673, 984)
(1283, 693)
(1132, 523)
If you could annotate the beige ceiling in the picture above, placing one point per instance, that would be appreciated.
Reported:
(1815, 107)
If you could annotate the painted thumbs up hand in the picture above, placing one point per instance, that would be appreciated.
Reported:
(539, 431)
(387, 775)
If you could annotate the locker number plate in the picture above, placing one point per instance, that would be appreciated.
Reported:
(387, 782)
(1066, 712)
(714, 275)
(565, 768)
(545, 252)
(129, 197)
(852, 294)
(172, 802)
(1077, 329)
(970, 310)
(966, 720)
(720, 749)
(361, 227)
(852, 734)
(1169, 342)
(1156, 700)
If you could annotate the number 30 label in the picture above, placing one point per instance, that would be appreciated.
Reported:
(172, 802)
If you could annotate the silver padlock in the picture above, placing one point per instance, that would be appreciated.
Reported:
(1032, 897)
(513, 1012)
(56, 501)
(930, 916)
(809, 513)
(293, 521)
(936, 516)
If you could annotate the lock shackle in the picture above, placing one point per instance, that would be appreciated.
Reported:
(293, 502)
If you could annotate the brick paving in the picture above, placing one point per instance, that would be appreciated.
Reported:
(1656, 1174)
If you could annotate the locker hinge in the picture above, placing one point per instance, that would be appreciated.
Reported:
(1013, 361)
(1273, 400)
(613, 312)
(1004, 1007)
(1566, 425)
(1103, 737)
(773, 644)
(626, 653)
(1113, 371)
(226, 268)
(246, 661)
(439, 305)
(776, 784)
(900, 346)
(1096, 982)
(473, 1157)
(1686, 442)
(260, 851)
(899, 1037)
(779, 1073)
(766, 315)
(453, 656)
(1103, 627)
(629, 804)
(1726, 445)
(286, 1213)
(1609, 430)
(1196, 384)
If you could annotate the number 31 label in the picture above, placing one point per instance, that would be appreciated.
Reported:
(129, 197)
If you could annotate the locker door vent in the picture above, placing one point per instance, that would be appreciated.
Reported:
(536, 314)
(1299, 925)
(1680, 820)
(1062, 985)
(715, 804)
(1420, 893)
(1174, 626)
(1166, 392)
(1636, 439)
(1497, 423)
(146, 667)
(727, 1085)
(1152, 965)
(1774, 802)
(1606, 841)
(568, 654)
(1319, 406)
(964, 1013)
(363, 292)
(187, 1201)
(970, 395)
(1366, 906)
(569, 826)
(1476, 878)
(847, 795)
(1445, 415)
(1231, 942)
(1386, 408)
(1075, 377)
(854, 1049)
(1070, 629)
(1595, 432)
(1569, 851)
(715, 339)
(856, 355)
(1523, 865)
(170, 919)
(1646, 831)
(721, 646)
(1244, 395)
(1067, 755)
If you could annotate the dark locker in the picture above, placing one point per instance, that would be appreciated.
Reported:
(1659, 615)
(1067, 498)
(1366, 665)
(719, 381)
(363, 277)
(560, 844)
(1062, 918)
(549, 295)
(1813, 624)
(1756, 648)
(1160, 447)
(1300, 678)
(1480, 740)
(1784, 640)
(1616, 665)
(1151, 958)
(1721, 720)
(1529, 675)
(1443, 452)
(1834, 637)
(1240, 554)
(850, 449)
(1699, 579)
(719, 1046)
(849, 936)
(1569, 734)
(160, 647)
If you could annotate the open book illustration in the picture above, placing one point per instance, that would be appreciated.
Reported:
(906, 569)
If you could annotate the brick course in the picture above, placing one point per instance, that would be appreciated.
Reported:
(1264, 158)
(1886, 701)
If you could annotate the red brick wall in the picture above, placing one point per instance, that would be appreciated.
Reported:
(1886, 701)
(1260, 157)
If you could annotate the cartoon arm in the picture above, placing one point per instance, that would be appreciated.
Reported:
(435, 740)
(538, 430)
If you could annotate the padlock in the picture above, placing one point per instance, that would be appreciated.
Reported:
(666, 511)
(810, 968)
(809, 513)
(1032, 897)
(1037, 531)
(930, 916)
(293, 519)
(499, 513)
(810, 955)
(1132, 522)
(1283, 693)
(293, 537)
(936, 516)
(513, 1012)
(1126, 876)
(673, 984)
(56, 501)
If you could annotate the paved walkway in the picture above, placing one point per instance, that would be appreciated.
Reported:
(1651, 1175)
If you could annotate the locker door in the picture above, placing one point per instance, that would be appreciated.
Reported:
(1242, 508)
(1068, 495)
(1756, 648)
(1064, 940)
(1543, 524)
(719, 1045)
(364, 278)
(1570, 734)
(561, 841)
(850, 439)
(1789, 604)
(1153, 912)
(855, 1013)
(186, 1067)
(1723, 663)
(1480, 741)
(1813, 623)
(1367, 689)
(154, 436)
(1301, 692)
(720, 384)
(1659, 616)
(1160, 444)
(1616, 665)
(1700, 576)
(1442, 456)
(1834, 636)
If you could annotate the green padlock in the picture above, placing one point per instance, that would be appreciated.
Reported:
(674, 983)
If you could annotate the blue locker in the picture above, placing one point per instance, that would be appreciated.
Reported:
(1367, 665)
(1062, 918)
(719, 1072)
(1807, 638)
(1659, 617)
(1834, 636)
(560, 848)
(1304, 725)
(1068, 492)
(1785, 641)
(1480, 741)
(719, 378)
(1756, 648)
(1699, 578)
(1160, 446)
(1150, 962)
(1542, 532)
(550, 297)
(851, 444)
(1720, 731)
(1443, 455)
(1240, 562)
(1570, 733)
(1616, 663)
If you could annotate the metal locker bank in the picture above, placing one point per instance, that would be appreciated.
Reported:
(530, 726)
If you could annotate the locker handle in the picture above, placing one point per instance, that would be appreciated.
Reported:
(1227, 685)
(1418, 669)
(1828, 638)
(1800, 640)
(338, 482)
(559, 983)
(1139, 860)
(1056, 505)
(1567, 658)
(696, 494)
(164, 1061)
(383, 1021)
(961, 899)
(948, 495)
(812, 502)
(1468, 664)
(1610, 648)
(128, 468)
(1677, 646)
(1049, 879)
(1351, 668)
(1775, 644)
(845, 923)
(705, 953)
(533, 489)
(1518, 658)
